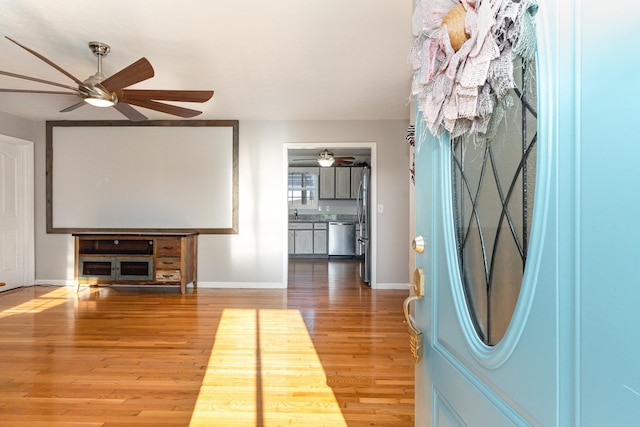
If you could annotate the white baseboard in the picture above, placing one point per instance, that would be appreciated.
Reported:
(392, 286)
(234, 285)
(241, 285)
(55, 282)
(203, 285)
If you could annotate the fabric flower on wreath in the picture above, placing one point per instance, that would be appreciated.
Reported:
(462, 58)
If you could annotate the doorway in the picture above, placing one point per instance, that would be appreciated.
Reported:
(305, 155)
(17, 265)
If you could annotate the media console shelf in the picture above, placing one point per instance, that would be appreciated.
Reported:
(168, 259)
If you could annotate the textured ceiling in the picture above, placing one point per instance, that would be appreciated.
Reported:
(265, 60)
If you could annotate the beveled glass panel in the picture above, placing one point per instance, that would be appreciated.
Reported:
(493, 186)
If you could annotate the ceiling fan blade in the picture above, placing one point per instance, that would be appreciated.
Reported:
(73, 107)
(129, 112)
(165, 108)
(344, 158)
(50, 92)
(167, 95)
(34, 79)
(57, 67)
(134, 73)
(343, 162)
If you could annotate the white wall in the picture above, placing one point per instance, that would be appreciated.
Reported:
(254, 256)
(16, 127)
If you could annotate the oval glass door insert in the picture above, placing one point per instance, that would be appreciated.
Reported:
(493, 194)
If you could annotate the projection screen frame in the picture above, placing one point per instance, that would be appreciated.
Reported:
(51, 226)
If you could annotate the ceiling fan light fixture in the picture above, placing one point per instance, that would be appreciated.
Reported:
(325, 163)
(325, 158)
(100, 102)
(96, 95)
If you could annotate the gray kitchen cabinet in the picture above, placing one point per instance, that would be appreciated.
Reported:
(343, 182)
(320, 242)
(356, 179)
(327, 183)
(292, 242)
(303, 242)
(336, 183)
(308, 238)
(302, 238)
(320, 238)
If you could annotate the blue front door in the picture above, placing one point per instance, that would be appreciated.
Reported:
(568, 353)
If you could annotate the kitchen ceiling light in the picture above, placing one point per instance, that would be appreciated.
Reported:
(325, 163)
(325, 158)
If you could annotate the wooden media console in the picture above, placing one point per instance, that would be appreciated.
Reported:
(163, 259)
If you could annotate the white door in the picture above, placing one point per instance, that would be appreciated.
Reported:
(556, 344)
(16, 213)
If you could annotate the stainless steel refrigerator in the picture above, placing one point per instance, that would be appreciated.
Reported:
(364, 232)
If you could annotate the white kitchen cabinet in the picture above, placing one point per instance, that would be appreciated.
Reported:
(327, 183)
(343, 182)
(356, 179)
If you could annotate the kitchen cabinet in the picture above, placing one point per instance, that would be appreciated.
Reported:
(308, 238)
(339, 182)
(320, 240)
(327, 183)
(303, 242)
(343, 182)
(302, 238)
(292, 241)
(356, 179)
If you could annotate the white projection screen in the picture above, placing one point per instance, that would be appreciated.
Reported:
(152, 176)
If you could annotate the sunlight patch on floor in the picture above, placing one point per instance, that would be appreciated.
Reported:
(39, 304)
(264, 371)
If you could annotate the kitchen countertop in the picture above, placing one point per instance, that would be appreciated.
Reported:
(323, 218)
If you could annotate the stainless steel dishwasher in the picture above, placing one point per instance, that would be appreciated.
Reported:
(342, 238)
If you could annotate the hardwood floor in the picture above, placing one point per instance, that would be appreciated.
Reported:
(327, 351)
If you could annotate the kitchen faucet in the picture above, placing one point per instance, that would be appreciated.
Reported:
(295, 213)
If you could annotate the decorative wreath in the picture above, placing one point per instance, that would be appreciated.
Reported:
(462, 58)
(411, 139)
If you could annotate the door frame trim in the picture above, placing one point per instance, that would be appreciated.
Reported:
(374, 185)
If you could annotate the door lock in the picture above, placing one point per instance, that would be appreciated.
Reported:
(418, 244)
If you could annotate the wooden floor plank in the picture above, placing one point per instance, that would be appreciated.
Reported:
(327, 351)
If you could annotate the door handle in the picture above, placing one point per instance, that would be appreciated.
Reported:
(415, 335)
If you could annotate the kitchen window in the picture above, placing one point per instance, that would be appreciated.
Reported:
(303, 188)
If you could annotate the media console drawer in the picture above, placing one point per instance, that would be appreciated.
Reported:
(168, 275)
(136, 259)
(168, 247)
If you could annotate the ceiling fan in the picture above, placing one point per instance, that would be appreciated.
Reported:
(101, 91)
(326, 158)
